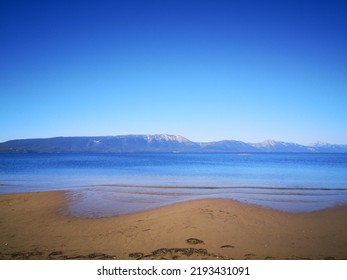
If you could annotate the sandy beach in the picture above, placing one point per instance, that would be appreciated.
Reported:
(32, 226)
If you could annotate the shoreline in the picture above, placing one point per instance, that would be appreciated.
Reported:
(33, 227)
(107, 200)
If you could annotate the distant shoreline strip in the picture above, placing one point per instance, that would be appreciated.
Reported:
(219, 188)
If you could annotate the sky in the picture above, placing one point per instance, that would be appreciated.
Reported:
(206, 70)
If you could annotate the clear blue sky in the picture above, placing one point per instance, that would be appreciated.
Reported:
(207, 70)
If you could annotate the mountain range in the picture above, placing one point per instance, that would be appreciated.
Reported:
(157, 143)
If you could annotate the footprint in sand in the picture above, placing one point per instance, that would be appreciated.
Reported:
(137, 255)
(227, 246)
(55, 253)
(194, 241)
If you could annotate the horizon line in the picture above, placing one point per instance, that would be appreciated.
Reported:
(175, 135)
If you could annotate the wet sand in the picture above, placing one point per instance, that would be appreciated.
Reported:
(32, 226)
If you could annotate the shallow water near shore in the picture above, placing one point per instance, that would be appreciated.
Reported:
(101, 185)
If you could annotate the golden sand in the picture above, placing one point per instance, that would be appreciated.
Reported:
(32, 227)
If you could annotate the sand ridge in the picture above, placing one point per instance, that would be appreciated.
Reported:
(32, 226)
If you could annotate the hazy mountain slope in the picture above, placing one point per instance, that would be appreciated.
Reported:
(155, 143)
(127, 143)
(281, 147)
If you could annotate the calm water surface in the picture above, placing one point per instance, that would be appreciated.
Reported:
(102, 185)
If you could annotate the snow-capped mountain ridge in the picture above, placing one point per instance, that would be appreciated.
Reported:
(166, 137)
(157, 143)
(266, 143)
(320, 144)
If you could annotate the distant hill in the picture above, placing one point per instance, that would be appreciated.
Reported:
(156, 143)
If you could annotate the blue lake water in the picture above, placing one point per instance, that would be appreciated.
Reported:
(100, 185)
